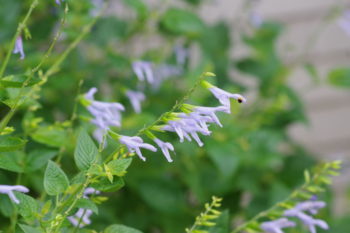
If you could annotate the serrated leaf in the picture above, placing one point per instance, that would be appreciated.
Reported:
(86, 151)
(28, 207)
(118, 228)
(52, 135)
(119, 166)
(105, 185)
(38, 158)
(12, 161)
(87, 204)
(11, 143)
(55, 180)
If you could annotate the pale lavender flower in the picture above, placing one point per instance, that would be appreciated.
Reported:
(134, 144)
(165, 147)
(163, 72)
(8, 189)
(224, 96)
(58, 2)
(105, 114)
(255, 19)
(143, 71)
(308, 206)
(210, 112)
(181, 54)
(135, 98)
(344, 22)
(89, 191)
(186, 127)
(84, 215)
(276, 226)
(19, 47)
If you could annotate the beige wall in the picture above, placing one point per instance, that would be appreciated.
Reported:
(328, 135)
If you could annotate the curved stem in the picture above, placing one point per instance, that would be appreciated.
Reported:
(20, 28)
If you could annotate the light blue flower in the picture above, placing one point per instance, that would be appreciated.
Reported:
(311, 207)
(224, 96)
(165, 147)
(135, 98)
(134, 144)
(84, 215)
(276, 226)
(8, 189)
(19, 47)
(58, 2)
(143, 71)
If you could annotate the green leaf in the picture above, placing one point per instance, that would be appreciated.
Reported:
(28, 207)
(86, 151)
(182, 22)
(17, 81)
(55, 180)
(53, 135)
(117, 228)
(29, 229)
(340, 77)
(105, 185)
(11, 143)
(12, 161)
(139, 6)
(87, 204)
(37, 159)
(118, 167)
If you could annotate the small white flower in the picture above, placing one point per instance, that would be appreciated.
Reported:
(165, 147)
(84, 215)
(210, 112)
(134, 144)
(143, 71)
(19, 47)
(276, 225)
(224, 96)
(135, 98)
(8, 189)
(308, 206)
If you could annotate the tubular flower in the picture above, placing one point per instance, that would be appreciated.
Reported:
(276, 225)
(143, 71)
(165, 147)
(134, 144)
(19, 47)
(105, 114)
(89, 191)
(8, 189)
(81, 218)
(136, 98)
(308, 206)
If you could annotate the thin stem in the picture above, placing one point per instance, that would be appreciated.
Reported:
(20, 28)
(176, 107)
(278, 205)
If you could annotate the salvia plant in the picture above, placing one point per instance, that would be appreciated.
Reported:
(99, 134)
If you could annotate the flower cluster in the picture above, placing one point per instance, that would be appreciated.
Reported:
(303, 211)
(82, 217)
(188, 124)
(105, 114)
(9, 190)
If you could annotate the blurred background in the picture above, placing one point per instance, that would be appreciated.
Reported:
(289, 58)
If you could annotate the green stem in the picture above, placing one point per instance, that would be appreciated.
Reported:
(278, 205)
(20, 27)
